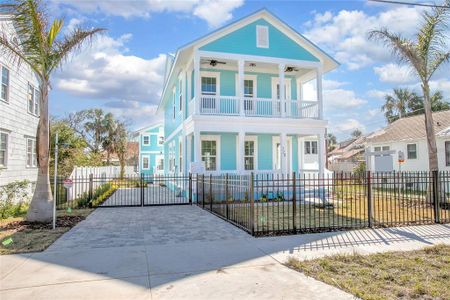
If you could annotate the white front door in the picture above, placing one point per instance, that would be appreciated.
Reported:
(277, 152)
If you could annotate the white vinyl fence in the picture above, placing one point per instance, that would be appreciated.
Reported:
(100, 176)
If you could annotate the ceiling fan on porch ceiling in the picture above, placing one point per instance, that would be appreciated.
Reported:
(290, 69)
(212, 62)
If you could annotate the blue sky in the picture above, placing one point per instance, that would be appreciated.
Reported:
(122, 70)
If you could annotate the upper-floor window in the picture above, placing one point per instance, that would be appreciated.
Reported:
(3, 149)
(411, 150)
(31, 153)
(33, 100)
(180, 96)
(311, 147)
(209, 86)
(262, 36)
(248, 88)
(145, 162)
(173, 103)
(146, 140)
(5, 84)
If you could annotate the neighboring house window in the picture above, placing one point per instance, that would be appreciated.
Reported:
(180, 97)
(249, 155)
(379, 148)
(311, 147)
(180, 156)
(33, 100)
(447, 154)
(411, 151)
(173, 103)
(5, 84)
(31, 153)
(262, 36)
(160, 165)
(145, 163)
(3, 149)
(160, 140)
(209, 155)
(248, 93)
(146, 140)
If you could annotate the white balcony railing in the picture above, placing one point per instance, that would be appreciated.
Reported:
(256, 107)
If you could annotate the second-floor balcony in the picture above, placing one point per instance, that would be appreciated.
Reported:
(255, 107)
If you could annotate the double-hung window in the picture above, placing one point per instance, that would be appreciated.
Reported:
(249, 155)
(447, 154)
(3, 149)
(310, 147)
(33, 100)
(209, 154)
(145, 163)
(146, 140)
(173, 102)
(4, 95)
(180, 96)
(209, 91)
(411, 150)
(31, 153)
(180, 156)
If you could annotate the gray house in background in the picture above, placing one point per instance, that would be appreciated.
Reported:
(19, 115)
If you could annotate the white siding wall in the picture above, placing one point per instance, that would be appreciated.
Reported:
(419, 164)
(15, 119)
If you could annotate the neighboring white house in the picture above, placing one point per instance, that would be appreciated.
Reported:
(19, 109)
(408, 136)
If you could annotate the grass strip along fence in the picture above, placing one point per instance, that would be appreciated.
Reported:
(276, 204)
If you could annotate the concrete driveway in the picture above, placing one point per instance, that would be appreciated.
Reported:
(177, 252)
(183, 252)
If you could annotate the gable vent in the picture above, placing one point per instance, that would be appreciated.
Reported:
(262, 36)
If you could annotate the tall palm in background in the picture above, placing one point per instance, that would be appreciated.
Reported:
(425, 55)
(42, 46)
(399, 103)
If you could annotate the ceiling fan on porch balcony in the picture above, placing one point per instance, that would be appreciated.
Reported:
(213, 62)
(290, 69)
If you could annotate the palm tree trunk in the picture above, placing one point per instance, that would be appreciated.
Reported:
(40, 209)
(429, 127)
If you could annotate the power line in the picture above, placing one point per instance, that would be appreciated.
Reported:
(410, 3)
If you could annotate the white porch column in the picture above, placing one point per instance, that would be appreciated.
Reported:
(241, 152)
(281, 68)
(319, 91)
(321, 152)
(240, 87)
(197, 85)
(197, 147)
(283, 144)
(188, 154)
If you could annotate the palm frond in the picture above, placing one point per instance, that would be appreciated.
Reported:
(14, 53)
(401, 47)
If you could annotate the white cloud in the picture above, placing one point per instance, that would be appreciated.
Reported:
(214, 12)
(341, 99)
(105, 71)
(332, 84)
(378, 94)
(345, 33)
(140, 114)
(394, 73)
(348, 125)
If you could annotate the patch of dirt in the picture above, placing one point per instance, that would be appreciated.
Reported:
(62, 221)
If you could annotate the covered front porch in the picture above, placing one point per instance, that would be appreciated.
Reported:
(281, 150)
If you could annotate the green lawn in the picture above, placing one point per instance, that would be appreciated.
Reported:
(423, 274)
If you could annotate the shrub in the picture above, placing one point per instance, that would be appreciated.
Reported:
(103, 193)
(14, 198)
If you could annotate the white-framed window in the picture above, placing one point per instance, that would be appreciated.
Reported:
(160, 164)
(210, 152)
(160, 140)
(33, 100)
(250, 157)
(180, 96)
(209, 85)
(381, 148)
(3, 149)
(4, 93)
(262, 36)
(411, 151)
(31, 153)
(146, 140)
(180, 156)
(145, 162)
(174, 96)
(447, 153)
(310, 147)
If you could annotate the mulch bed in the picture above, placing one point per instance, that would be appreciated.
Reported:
(62, 221)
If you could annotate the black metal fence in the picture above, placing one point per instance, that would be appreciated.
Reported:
(137, 190)
(273, 204)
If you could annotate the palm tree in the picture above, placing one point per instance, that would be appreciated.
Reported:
(43, 48)
(425, 55)
(399, 104)
(110, 125)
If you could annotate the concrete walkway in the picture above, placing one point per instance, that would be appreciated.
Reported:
(184, 252)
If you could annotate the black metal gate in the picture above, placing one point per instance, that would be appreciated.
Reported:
(129, 191)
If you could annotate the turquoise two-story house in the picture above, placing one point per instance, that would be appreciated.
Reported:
(151, 149)
(246, 98)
